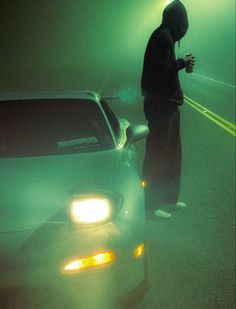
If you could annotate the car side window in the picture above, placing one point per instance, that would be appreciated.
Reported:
(112, 118)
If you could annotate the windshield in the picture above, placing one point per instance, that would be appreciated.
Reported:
(46, 127)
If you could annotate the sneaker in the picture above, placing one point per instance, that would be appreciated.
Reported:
(174, 207)
(162, 214)
(180, 205)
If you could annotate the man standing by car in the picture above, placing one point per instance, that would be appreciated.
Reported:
(162, 98)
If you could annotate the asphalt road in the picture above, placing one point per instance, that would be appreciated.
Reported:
(191, 256)
(215, 95)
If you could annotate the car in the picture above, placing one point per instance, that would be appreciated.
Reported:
(71, 203)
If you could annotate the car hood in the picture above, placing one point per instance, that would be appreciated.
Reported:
(36, 190)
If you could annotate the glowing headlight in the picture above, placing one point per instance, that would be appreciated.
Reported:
(90, 210)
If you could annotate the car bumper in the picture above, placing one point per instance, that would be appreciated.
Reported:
(33, 275)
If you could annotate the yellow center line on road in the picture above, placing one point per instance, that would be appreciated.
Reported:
(223, 123)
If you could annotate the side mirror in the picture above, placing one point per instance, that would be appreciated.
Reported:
(135, 133)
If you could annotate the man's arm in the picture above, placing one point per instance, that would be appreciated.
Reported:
(162, 57)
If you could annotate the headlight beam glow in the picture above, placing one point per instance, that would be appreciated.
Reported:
(139, 251)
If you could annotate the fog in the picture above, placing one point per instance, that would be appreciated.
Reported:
(99, 45)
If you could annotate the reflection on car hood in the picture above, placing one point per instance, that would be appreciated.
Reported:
(35, 190)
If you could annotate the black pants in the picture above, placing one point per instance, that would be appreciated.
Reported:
(162, 163)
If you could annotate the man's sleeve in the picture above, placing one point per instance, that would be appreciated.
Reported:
(162, 57)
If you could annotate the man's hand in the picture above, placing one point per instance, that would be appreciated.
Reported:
(189, 63)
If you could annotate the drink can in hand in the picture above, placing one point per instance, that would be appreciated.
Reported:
(188, 68)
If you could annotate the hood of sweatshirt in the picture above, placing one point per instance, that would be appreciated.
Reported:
(175, 19)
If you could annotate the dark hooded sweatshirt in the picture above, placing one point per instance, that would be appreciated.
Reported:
(160, 82)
